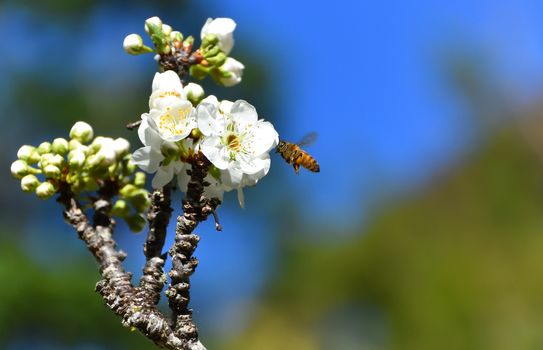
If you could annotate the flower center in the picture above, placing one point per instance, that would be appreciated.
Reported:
(169, 93)
(173, 123)
(233, 142)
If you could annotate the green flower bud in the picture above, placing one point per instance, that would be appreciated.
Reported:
(29, 183)
(166, 29)
(153, 24)
(60, 146)
(189, 41)
(136, 223)
(130, 166)
(82, 132)
(76, 159)
(128, 190)
(29, 154)
(218, 60)
(139, 179)
(176, 36)
(133, 44)
(95, 160)
(74, 144)
(169, 149)
(45, 190)
(195, 93)
(140, 200)
(198, 71)
(51, 171)
(90, 183)
(56, 160)
(19, 169)
(44, 147)
(121, 147)
(210, 40)
(120, 209)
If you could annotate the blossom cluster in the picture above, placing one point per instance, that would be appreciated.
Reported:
(83, 163)
(211, 59)
(229, 134)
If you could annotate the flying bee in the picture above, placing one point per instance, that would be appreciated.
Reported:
(293, 154)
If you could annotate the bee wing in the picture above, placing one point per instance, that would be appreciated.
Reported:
(308, 139)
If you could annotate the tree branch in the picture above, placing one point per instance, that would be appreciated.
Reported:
(132, 304)
(196, 208)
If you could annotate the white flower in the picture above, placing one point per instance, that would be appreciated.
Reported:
(152, 22)
(236, 139)
(174, 122)
(167, 89)
(234, 70)
(151, 159)
(223, 28)
(234, 178)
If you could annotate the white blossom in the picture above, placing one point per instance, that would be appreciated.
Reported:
(133, 44)
(166, 89)
(82, 132)
(234, 70)
(223, 28)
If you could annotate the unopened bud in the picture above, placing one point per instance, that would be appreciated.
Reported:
(128, 190)
(176, 36)
(73, 144)
(166, 29)
(195, 93)
(44, 147)
(136, 223)
(56, 160)
(169, 149)
(82, 132)
(19, 169)
(139, 179)
(45, 190)
(29, 154)
(120, 209)
(152, 23)
(76, 159)
(121, 147)
(29, 183)
(60, 146)
(140, 200)
(51, 171)
(133, 44)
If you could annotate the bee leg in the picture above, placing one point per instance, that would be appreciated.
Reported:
(296, 168)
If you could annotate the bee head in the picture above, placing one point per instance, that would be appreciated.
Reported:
(280, 146)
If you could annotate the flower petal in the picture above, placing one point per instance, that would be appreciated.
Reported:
(163, 176)
(148, 135)
(244, 115)
(210, 121)
(147, 159)
(215, 152)
(262, 138)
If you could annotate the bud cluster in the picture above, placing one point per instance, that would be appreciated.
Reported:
(84, 163)
(174, 51)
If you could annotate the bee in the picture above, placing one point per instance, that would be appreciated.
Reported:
(293, 154)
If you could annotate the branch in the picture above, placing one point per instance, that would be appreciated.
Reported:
(132, 304)
(159, 215)
(196, 208)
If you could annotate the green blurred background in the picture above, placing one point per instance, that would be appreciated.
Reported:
(424, 229)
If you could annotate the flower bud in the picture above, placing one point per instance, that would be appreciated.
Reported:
(139, 179)
(140, 200)
(44, 147)
(176, 36)
(51, 171)
(73, 144)
(128, 190)
(195, 93)
(82, 132)
(29, 183)
(90, 183)
(120, 209)
(94, 160)
(136, 223)
(223, 28)
(60, 146)
(109, 155)
(153, 22)
(169, 149)
(166, 29)
(130, 166)
(133, 44)
(19, 169)
(121, 147)
(76, 159)
(29, 154)
(45, 190)
(231, 72)
(56, 160)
